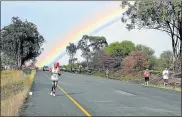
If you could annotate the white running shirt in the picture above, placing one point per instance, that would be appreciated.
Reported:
(54, 71)
(54, 76)
(165, 74)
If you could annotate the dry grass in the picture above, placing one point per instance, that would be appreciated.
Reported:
(10, 77)
(14, 89)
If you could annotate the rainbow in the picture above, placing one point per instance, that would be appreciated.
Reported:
(95, 31)
(98, 21)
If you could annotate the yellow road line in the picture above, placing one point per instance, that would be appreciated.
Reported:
(75, 102)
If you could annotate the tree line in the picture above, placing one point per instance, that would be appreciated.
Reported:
(117, 55)
(164, 16)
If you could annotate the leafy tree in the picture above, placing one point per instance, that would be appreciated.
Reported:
(71, 50)
(84, 64)
(146, 50)
(128, 47)
(114, 49)
(166, 58)
(166, 54)
(68, 67)
(21, 41)
(149, 53)
(159, 65)
(88, 42)
(83, 44)
(152, 62)
(6, 60)
(120, 49)
(96, 60)
(97, 42)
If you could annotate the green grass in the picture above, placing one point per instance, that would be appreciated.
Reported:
(98, 74)
(167, 87)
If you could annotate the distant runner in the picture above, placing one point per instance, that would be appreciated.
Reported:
(165, 76)
(107, 73)
(89, 71)
(54, 77)
(147, 75)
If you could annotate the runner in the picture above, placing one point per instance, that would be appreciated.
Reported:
(54, 78)
(165, 76)
(147, 75)
(107, 73)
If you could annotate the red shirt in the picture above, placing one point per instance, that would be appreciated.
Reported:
(147, 74)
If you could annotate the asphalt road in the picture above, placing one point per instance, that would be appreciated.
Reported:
(80, 95)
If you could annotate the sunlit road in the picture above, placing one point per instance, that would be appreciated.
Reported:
(80, 95)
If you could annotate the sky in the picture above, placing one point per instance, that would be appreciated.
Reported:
(56, 18)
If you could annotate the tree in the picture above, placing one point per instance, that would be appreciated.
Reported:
(152, 62)
(97, 42)
(145, 49)
(71, 50)
(166, 58)
(21, 41)
(149, 53)
(158, 15)
(166, 54)
(114, 49)
(6, 60)
(87, 43)
(120, 49)
(84, 64)
(83, 44)
(128, 47)
(96, 60)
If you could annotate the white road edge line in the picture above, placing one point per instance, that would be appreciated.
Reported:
(47, 76)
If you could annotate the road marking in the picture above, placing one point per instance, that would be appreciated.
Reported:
(124, 93)
(74, 101)
(47, 76)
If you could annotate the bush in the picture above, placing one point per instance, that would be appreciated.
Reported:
(27, 71)
(155, 72)
(136, 60)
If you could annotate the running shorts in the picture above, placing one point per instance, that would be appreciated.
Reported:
(146, 79)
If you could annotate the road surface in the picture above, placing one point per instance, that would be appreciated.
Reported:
(80, 95)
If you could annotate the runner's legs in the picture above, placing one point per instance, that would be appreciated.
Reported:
(146, 81)
(54, 88)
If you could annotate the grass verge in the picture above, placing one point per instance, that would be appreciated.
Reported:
(167, 87)
(137, 81)
(15, 86)
(99, 74)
